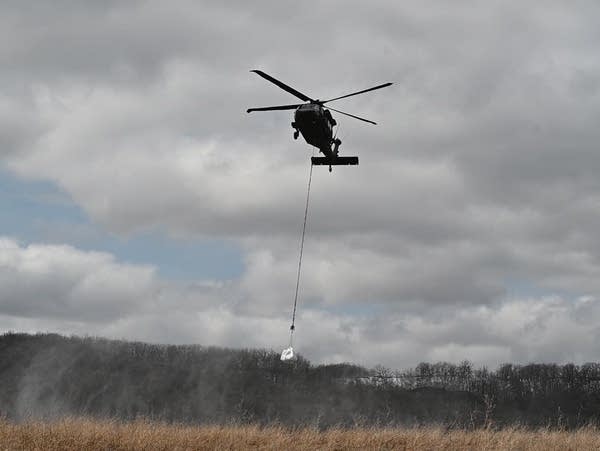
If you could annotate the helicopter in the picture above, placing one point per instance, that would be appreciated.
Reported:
(316, 123)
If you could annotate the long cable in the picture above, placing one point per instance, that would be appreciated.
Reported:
(292, 327)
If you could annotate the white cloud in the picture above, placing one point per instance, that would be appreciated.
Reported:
(481, 175)
(50, 281)
(63, 289)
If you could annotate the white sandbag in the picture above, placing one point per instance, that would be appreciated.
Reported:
(287, 354)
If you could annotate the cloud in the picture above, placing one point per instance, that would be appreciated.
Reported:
(480, 179)
(50, 281)
(61, 288)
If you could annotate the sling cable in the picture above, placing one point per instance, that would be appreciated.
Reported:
(288, 353)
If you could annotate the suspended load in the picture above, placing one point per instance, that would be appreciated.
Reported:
(287, 354)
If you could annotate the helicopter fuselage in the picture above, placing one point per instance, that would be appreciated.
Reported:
(316, 125)
(315, 122)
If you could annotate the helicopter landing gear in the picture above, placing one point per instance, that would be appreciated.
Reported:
(336, 149)
(336, 145)
(296, 134)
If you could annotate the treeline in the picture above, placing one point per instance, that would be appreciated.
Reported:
(48, 376)
(536, 394)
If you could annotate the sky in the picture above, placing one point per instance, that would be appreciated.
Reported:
(139, 200)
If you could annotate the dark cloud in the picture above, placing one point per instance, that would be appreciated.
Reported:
(481, 173)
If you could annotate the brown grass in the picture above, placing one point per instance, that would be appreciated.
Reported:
(82, 434)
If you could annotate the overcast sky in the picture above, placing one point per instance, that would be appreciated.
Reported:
(139, 200)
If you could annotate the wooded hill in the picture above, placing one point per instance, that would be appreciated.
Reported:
(49, 376)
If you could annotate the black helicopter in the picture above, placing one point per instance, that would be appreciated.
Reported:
(316, 123)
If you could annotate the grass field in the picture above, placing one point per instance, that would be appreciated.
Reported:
(108, 435)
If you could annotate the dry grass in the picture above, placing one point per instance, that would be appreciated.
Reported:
(84, 434)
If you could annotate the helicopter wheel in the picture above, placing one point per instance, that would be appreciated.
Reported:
(296, 134)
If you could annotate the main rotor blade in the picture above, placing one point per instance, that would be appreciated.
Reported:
(351, 115)
(273, 108)
(283, 86)
(359, 92)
